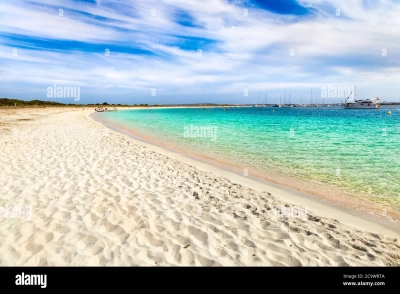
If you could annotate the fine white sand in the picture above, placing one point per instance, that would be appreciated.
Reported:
(73, 192)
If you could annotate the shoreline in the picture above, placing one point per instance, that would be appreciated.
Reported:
(335, 210)
(324, 191)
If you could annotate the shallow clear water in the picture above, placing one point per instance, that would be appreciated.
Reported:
(354, 150)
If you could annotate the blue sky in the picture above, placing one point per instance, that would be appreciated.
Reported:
(193, 51)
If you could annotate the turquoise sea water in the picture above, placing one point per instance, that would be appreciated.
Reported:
(354, 150)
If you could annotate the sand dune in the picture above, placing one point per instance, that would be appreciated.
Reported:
(84, 195)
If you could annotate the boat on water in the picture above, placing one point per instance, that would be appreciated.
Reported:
(360, 104)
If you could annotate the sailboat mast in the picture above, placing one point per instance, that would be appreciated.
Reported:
(355, 93)
(352, 93)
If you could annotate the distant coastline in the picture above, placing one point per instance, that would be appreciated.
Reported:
(9, 103)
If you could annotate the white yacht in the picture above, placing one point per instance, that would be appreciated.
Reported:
(352, 103)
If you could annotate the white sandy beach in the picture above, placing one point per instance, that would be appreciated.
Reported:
(82, 194)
